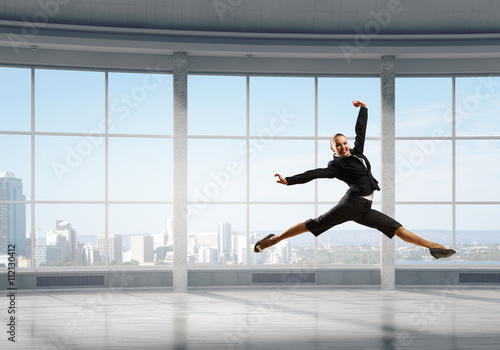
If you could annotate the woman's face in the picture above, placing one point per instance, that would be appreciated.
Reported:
(341, 146)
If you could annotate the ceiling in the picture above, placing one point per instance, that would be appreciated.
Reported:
(266, 28)
(267, 16)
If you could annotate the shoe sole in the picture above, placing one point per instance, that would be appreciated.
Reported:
(439, 253)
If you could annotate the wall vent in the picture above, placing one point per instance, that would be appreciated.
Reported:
(284, 278)
(479, 277)
(70, 281)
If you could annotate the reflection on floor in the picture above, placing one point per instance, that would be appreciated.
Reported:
(281, 318)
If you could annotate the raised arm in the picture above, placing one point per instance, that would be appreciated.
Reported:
(361, 123)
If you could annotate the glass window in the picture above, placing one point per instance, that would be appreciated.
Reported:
(140, 169)
(423, 170)
(144, 231)
(276, 218)
(72, 168)
(217, 170)
(286, 157)
(69, 168)
(431, 222)
(426, 218)
(478, 234)
(69, 101)
(476, 108)
(423, 107)
(281, 106)
(15, 155)
(477, 170)
(15, 185)
(217, 234)
(281, 128)
(217, 105)
(336, 114)
(15, 99)
(140, 103)
(67, 234)
(373, 153)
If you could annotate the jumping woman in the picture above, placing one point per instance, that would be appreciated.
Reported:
(351, 166)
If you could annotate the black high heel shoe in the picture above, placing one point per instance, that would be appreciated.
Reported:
(441, 253)
(257, 248)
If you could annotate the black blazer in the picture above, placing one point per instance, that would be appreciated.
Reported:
(349, 169)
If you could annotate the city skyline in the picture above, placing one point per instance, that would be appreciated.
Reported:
(241, 131)
(203, 247)
(346, 227)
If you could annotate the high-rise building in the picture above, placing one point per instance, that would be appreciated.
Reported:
(64, 237)
(169, 231)
(92, 254)
(80, 256)
(164, 238)
(161, 251)
(46, 255)
(207, 255)
(279, 254)
(255, 259)
(244, 253)
(142, 249)
(64, 228)
(12, 215)
(210, 239)
(241, 248)
(115, 246)
(28, 245)
(225, 248)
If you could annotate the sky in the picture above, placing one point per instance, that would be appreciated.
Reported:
(71, 167)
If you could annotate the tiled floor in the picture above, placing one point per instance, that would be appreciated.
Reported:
(281, 318)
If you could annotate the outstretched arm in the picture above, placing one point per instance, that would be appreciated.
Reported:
(309, 175)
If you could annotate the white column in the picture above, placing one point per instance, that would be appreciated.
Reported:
(388, 132)
(180, 172)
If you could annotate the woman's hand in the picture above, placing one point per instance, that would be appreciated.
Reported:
(358, 103)
(281, 180)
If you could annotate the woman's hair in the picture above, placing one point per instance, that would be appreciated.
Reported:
(332, 143)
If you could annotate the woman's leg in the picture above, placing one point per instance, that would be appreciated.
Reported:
(344, 211)
(290, 232)
(391, 228)
(299, 228)
(410, 237)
